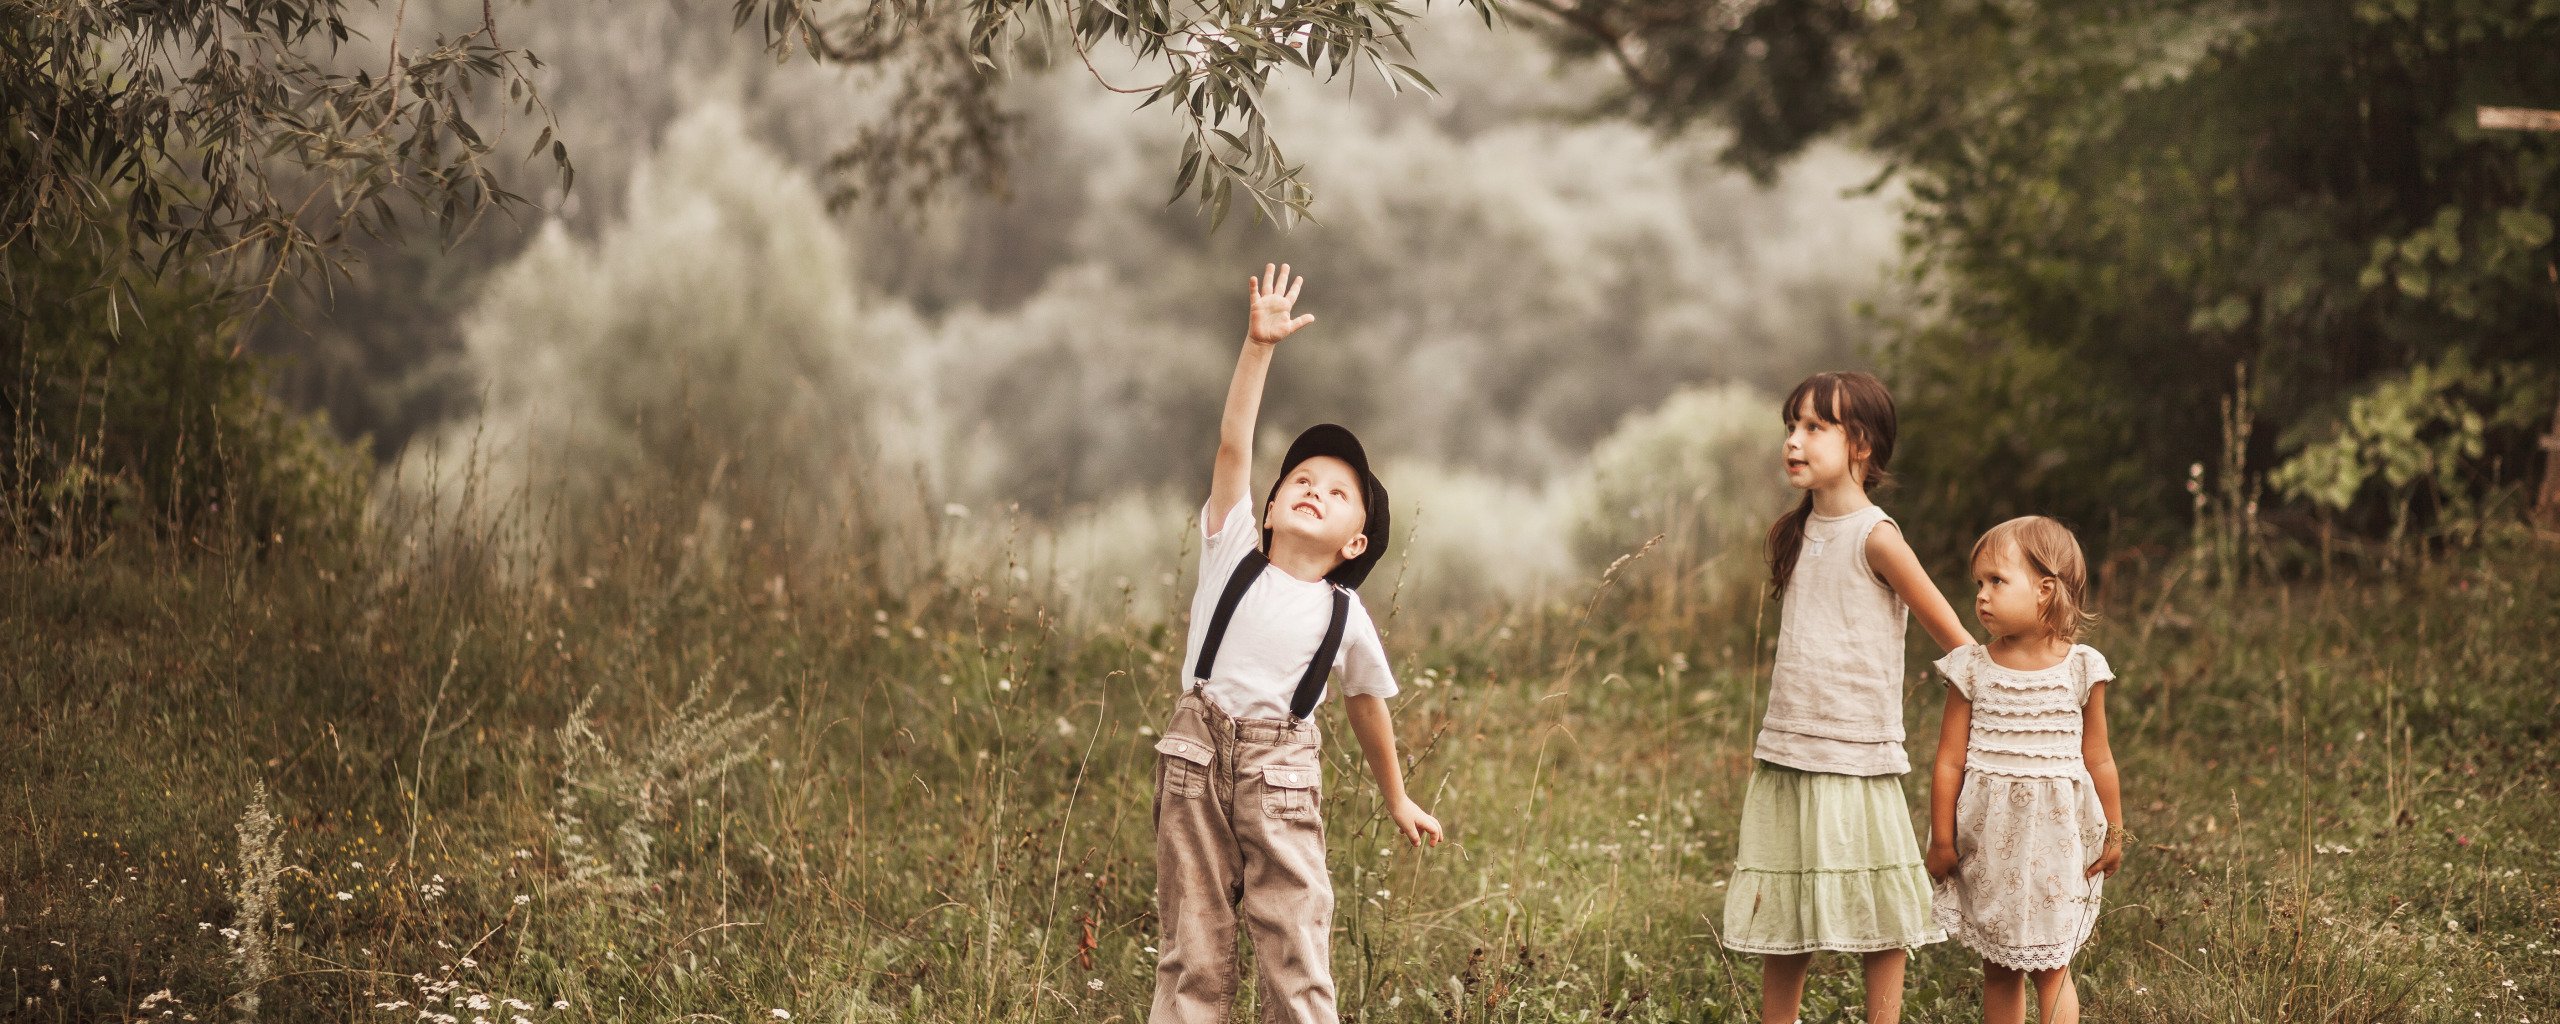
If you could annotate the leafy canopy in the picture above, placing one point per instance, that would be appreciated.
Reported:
(251, 137)
(2116, 204)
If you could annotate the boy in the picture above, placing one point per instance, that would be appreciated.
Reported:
(1239, 831)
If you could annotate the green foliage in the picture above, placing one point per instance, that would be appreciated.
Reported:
(2115, 203)
(139, 413)
(224, 138)
(2425, 431)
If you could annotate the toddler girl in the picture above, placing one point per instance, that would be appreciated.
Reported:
(1827, 858)
(2024, 818)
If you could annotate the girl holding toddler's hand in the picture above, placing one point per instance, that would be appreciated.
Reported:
(1827, 858)
(2026, 822)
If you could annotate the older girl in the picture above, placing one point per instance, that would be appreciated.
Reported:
(1827, 858)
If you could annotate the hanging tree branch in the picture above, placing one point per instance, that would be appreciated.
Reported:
(1218, 59)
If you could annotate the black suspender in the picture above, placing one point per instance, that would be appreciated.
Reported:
(1310, 685)
(1246, 572)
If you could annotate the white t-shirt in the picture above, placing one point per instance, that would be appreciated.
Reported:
(1275, 631)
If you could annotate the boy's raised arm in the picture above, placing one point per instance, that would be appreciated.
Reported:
(1272, 297)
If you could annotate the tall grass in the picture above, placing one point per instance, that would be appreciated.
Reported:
(647, 784)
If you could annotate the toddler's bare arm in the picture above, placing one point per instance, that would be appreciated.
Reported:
(2101, 759)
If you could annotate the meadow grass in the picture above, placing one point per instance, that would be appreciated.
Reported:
(638, 784)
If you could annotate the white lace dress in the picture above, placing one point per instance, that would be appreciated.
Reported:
(2028, 821)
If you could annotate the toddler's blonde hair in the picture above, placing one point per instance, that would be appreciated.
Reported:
(2051, 550)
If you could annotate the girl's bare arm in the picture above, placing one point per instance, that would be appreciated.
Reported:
(1272, 296)
(1946, 780)
(1892, 559)
(2101, 760)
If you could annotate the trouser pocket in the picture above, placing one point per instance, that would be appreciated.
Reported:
(1289, 791)
(1182, 767)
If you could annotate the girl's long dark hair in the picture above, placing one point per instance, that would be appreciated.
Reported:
(1859, 404)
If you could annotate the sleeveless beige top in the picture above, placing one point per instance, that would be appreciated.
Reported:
(1835, 690)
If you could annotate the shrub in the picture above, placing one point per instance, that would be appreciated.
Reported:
(130, 407)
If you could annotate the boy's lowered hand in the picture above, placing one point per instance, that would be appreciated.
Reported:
(1274, 296)
(1371, 722)
(1413, 821)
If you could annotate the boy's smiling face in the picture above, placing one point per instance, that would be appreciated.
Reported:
(1318, 508)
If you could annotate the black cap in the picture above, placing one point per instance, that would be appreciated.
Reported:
(1337, 441)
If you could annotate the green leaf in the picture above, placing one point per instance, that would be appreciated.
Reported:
(2528, 228)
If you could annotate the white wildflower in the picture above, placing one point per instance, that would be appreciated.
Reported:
(522, 900)
(342, 896)
(1094, 984)
(396, 1004)
(781, 1014)
(478, 1001)
(164, 996)
(467, 964)
(559, 1004)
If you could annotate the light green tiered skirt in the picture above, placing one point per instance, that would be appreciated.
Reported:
(1827, 862)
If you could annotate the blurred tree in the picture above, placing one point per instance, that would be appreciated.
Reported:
(2114, 210)
(210, 136)
(141, 416)
(1778, 73)
(170, 168)
(166, 169)
(2115, 204)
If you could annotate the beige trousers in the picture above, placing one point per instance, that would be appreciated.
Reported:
(1240, 840)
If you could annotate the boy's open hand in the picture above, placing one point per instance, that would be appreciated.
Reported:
(1272, 303)
(1413, 821)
